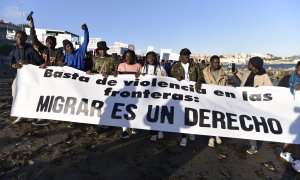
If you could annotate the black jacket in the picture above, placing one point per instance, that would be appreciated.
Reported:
(27, 53)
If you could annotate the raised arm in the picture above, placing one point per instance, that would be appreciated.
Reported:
(82, 50)
(33, 35)
(85, 43)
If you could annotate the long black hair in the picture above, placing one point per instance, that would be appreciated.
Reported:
(156, 65)
(155, 56)
(131, 52)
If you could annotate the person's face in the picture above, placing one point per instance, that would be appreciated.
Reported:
(185, 58)
(69, 48)
(214, 64)
(102, 52)
(298, 70)
(250, 67)
(128, 58)
(151, 60)
(20, 38)
(50, 44)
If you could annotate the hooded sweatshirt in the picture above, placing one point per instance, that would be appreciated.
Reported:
(76, 58)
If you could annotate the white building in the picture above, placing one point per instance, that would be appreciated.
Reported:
(119, 48)
(42, 34)
(92, 43)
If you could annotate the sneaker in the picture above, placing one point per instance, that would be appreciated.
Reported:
(252, 150)
(40, 122)
(125, 135)
(160, 135)
(192, 137)
(183, 142)
(218, 140)
(287, 156)
(153, 138)
(296, 165)
(211, 142)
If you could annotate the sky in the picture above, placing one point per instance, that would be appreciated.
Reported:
(203, 26)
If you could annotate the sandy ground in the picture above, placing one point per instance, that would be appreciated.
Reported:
(90, 152)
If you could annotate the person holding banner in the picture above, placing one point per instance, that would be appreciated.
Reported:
(255, 77)
(186, 70)
(21, 55)
(152, 67)
(51, 55)
(294, 80)
(104, 64)
(75, 58)
(290, 152)
(129, 67)
(214, 74)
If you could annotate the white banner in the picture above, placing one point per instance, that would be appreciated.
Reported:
(157, 103)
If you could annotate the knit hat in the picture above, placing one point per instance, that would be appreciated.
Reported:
(256, 62)
(66, 42)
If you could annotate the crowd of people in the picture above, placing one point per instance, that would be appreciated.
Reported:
(184, 69)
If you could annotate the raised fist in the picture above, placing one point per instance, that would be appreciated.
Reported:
(84, 27)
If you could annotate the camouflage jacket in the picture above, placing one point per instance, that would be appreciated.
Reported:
(195, 72)
(104, 65)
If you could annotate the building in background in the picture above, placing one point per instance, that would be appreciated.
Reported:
(166, 54)
(92, 43)
(7, 33)
(119, 48)
(60, 35)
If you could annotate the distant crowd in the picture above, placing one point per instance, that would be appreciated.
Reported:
(185, 68)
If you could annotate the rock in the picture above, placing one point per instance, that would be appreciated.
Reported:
(30, 162)
(221, 156)
(68, 138)
(200, 176)
(2, 173)
(270, 165)
(226, 174)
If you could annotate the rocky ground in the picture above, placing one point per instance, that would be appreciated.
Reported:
(90, 152)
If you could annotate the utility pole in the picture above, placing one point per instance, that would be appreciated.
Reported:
(22, 15)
